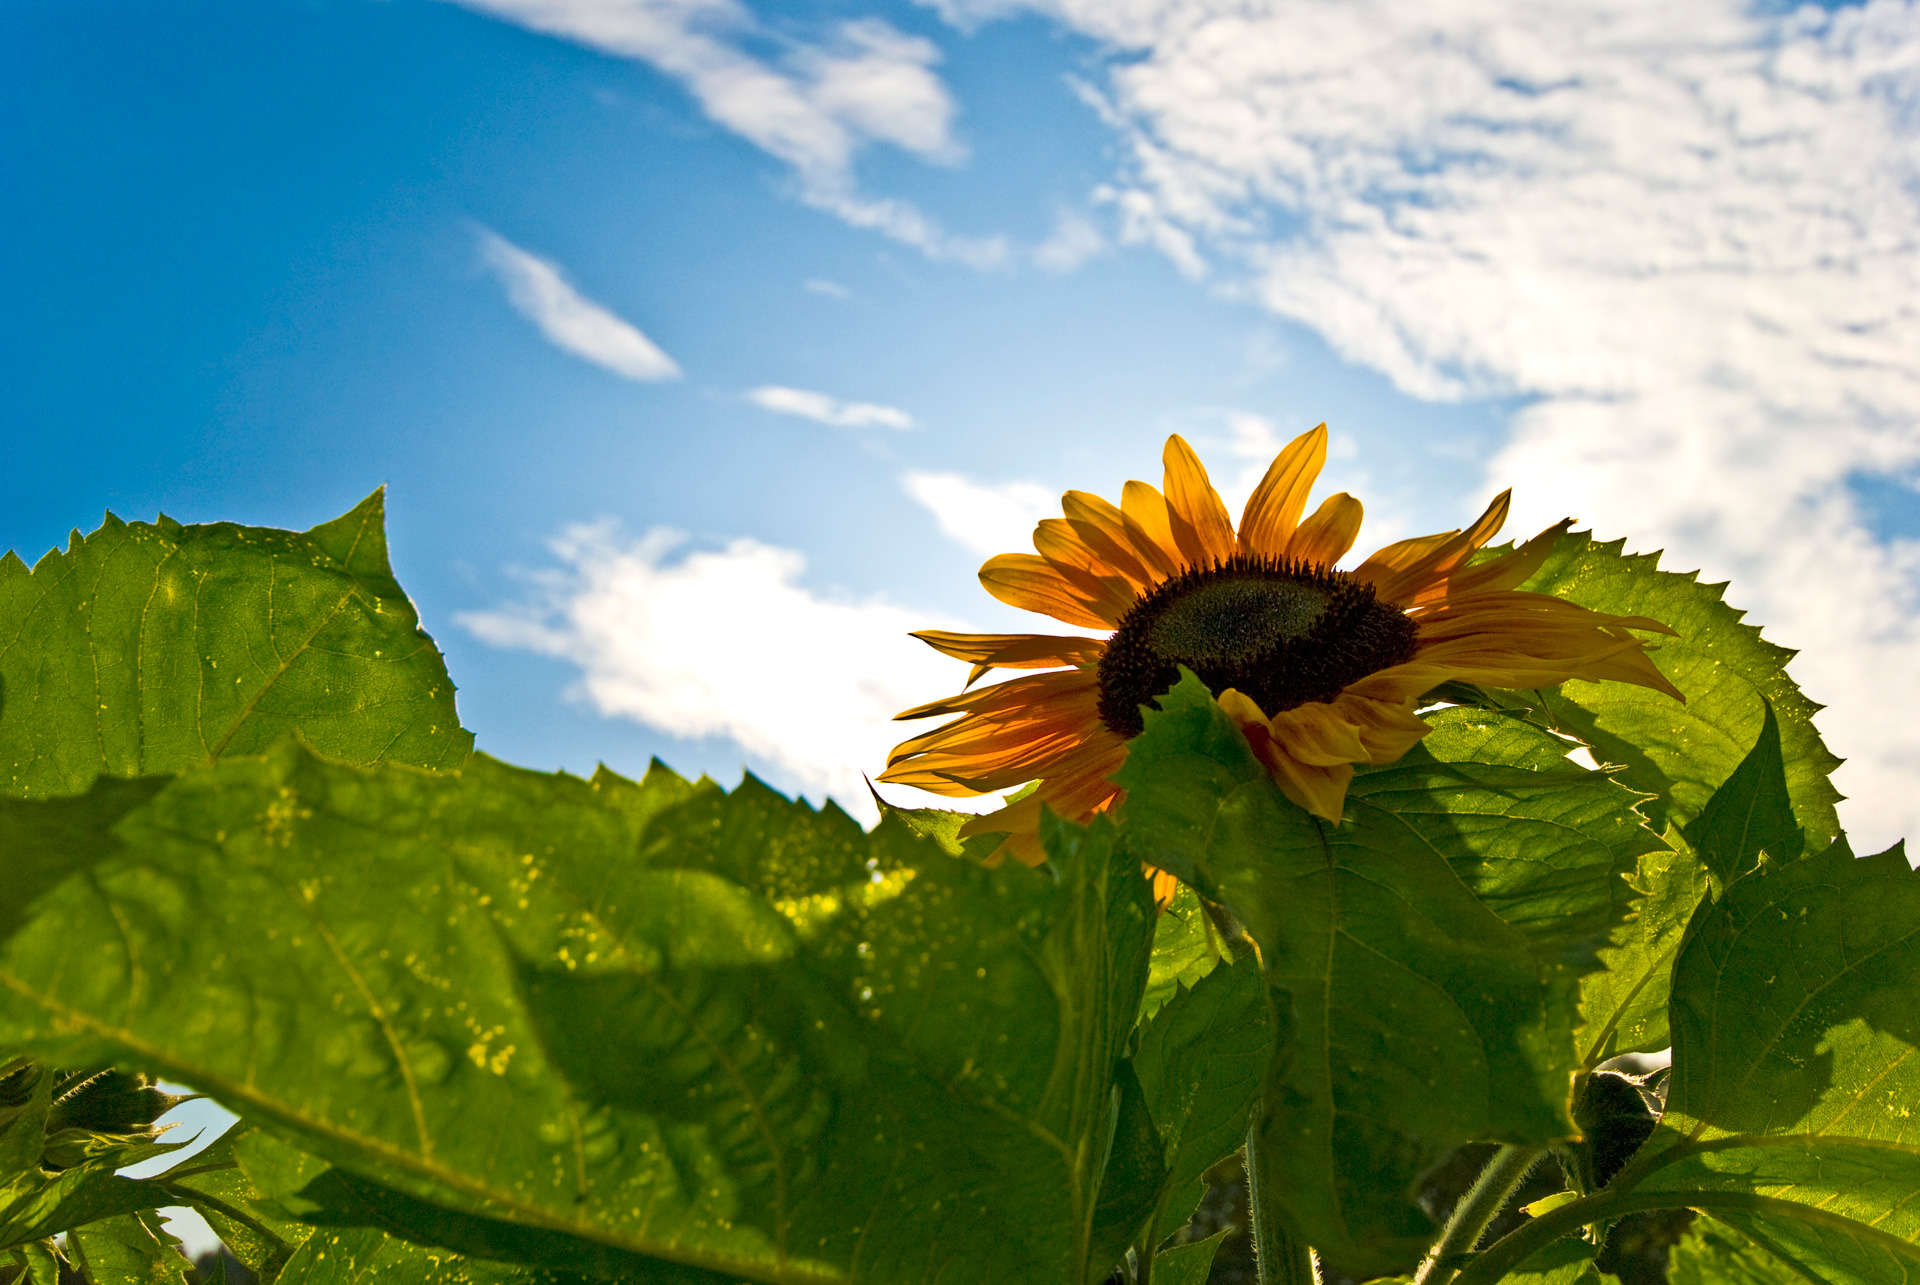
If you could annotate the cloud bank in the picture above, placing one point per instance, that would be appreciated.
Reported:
(1692, 246)
(814, 108)
(823, 409)
(541, 293)
(730, 643)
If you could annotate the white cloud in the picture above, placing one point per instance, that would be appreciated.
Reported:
(814, 109)
(542, 294)
(831, 289)
(730, 643)
(1692, 246)
(1073, 241)
(982, 518)
(828, 410)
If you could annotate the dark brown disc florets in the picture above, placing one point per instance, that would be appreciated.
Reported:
(1279, 631)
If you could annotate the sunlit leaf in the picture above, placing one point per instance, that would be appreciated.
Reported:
(1624, 1005)
(1185, 949)
(1680, 753)
(131, 1249)
(145, 648)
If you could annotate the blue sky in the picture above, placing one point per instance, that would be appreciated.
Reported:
(267, 257)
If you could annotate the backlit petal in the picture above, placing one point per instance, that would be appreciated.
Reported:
(1030, 582)
(1274, 508)
(1151, 523)
(1325, 537)
(1201, 526)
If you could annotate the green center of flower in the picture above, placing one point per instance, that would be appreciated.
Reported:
(1280, 632)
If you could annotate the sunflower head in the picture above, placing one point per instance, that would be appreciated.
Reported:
(1321, 668)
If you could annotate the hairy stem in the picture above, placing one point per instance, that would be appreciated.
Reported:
(1279, 1257)
(1476, 1210)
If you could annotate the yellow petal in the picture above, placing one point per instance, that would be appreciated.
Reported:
(1325, 537)
(1030, 582)
(1201, 526)
(1274, 508)
(1090, 510)
(1415, 564)
(1150, 522)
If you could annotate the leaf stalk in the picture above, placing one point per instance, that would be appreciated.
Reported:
(1476, 1211)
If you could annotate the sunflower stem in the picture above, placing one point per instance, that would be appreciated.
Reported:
(1476, 1211)
(1280, 1258)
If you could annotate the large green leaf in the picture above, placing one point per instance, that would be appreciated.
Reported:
(1430, 942)
(1682, 752)
(144, 649)
(723, 1032)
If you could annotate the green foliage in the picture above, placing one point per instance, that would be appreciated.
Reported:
(1680, 753)
(488, 1026)
(709, 1025)
(1429, 943)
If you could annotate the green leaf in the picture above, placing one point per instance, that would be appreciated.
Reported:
(35, 1205)
(1623, 1007)
(1201, 1062)
(1750, 813)
(1795, 1004)
(1568, 1261)
(131, 1249)
(1728, 672)
(1133, 1179)
(1431, 943)
(360, 1256)
(1185, 949)
(1712, 1253)
(143, 649)
(1187, 1264)
(720, 1031)
(1791, 1111)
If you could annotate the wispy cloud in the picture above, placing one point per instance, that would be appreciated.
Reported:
(985, 518)
(823, 409)
(831, 289)
(1074, 240)
(1692, 247)
(730, 643)
(541, 293)
(814, 108)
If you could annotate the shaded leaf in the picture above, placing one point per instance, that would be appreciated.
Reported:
(1681, 752)
(144, 648)
(722, 1031)
(1187, 1264)
(1750, 813)
(1430, 942)
(1201, 1061)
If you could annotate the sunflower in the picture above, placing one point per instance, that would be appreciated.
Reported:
(1320, 668)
